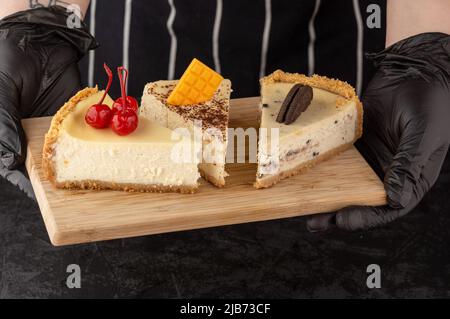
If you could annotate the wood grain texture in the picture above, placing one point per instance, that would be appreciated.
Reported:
(85, 216)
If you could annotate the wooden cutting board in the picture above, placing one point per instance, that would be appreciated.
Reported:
(84, 216)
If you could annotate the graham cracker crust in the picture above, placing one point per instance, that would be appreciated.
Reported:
(216, 182)
(322, 82)
(128, 187)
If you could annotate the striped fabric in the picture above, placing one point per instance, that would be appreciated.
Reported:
(241, 39)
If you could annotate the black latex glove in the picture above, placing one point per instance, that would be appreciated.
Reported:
(38, 73)
(406, 129)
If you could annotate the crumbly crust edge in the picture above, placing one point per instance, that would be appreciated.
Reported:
(220, 183)
(53, 132)
(271, 180)
(128, 187)
(322, 82)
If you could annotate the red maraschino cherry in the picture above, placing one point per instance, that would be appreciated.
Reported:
(125, 119)
(124, 122)
(99, 115)
(130, 102)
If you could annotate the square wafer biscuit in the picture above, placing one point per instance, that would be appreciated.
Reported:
(198, 84)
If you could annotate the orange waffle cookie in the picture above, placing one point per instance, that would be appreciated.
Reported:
(197, 85)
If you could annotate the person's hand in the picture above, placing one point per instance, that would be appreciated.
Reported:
(38, 73)
(19, 179)
(406, 129)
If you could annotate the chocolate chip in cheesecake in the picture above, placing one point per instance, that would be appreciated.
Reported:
(296, 102)
(265, 105)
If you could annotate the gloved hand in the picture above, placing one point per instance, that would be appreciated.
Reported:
(38, 73)
(406, 129)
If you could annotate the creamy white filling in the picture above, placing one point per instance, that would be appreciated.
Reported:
(134, 163)
(319, 139)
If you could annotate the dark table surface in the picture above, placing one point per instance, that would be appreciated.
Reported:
(278, 259)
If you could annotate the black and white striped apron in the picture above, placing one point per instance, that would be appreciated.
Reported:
(241, 39)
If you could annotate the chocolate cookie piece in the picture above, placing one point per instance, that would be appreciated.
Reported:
(295, 103)
(286, 103)
(299, 104)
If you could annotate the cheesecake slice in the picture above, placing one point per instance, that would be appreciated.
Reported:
(211, 116)
(76, 155)
(330, 124)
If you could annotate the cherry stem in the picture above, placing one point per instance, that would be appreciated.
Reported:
(123, 80)
(110, 77)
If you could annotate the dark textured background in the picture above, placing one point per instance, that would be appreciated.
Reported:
(277, 259)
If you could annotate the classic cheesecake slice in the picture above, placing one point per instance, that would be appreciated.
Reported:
(76, 155)
(211, 115)
(330, 124)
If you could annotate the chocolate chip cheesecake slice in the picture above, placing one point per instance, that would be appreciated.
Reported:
(304, 120)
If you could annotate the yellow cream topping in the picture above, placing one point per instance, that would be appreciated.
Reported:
(146, 132)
